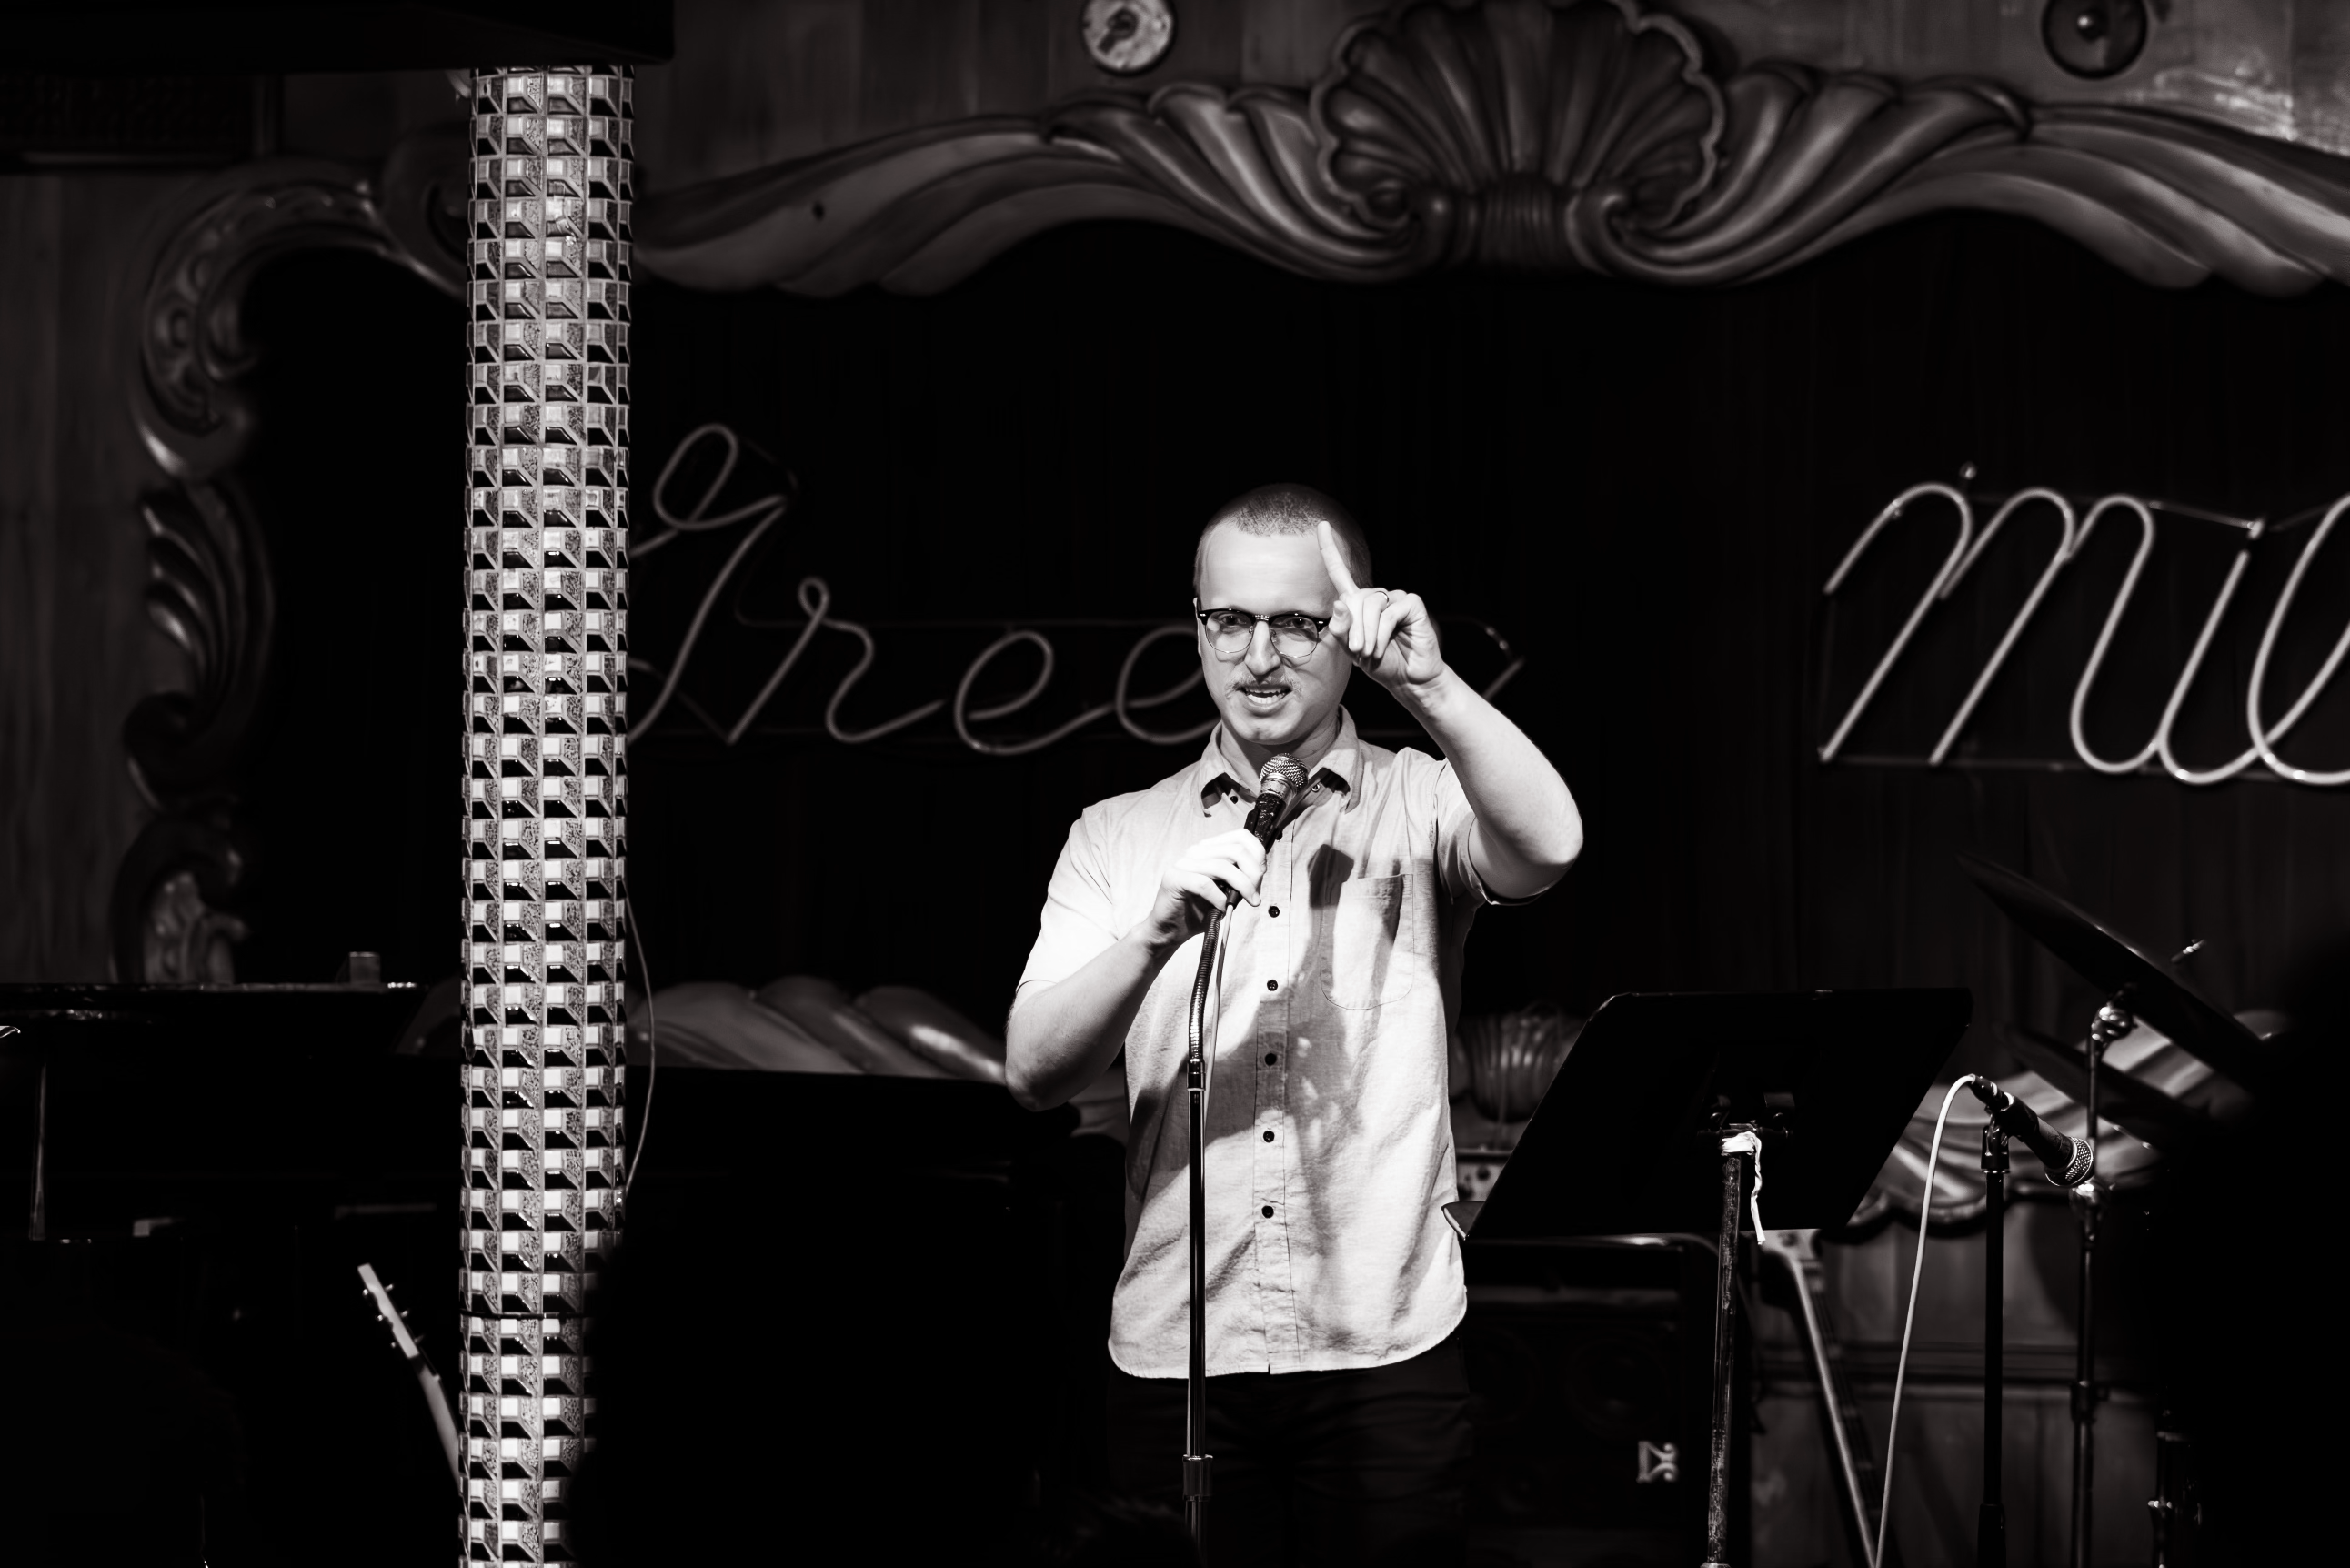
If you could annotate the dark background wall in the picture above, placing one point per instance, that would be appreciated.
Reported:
(1643, 491)
(75, 650)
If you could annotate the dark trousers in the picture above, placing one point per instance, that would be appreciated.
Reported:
(1362, 1469)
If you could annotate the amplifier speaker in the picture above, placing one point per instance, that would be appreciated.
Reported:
(1588, 1373)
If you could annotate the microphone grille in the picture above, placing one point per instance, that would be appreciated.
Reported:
(1283, 777)
(2077, 1170)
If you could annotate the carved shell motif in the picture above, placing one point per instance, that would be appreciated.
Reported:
(1512, 130)
(1543, 135)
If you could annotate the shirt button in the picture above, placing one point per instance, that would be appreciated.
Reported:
(1271, 1057)
(1274, 910)
(1272, 985)
(1268, 1135)
(1268, 1211)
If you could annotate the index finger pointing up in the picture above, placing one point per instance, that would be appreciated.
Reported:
(1334, 560)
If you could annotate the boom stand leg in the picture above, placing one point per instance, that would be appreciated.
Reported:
(1735, 1139)
(1991, 1520)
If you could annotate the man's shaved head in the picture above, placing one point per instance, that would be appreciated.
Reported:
(1288, 509)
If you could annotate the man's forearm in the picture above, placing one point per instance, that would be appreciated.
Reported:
(1528, 830)
(1061, 1037)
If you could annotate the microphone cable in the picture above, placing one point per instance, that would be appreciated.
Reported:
(652, 1049)
(1909, 1317)
(1215, 1019)
(1208, 1008)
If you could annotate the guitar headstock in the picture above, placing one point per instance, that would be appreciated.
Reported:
(389, 1314)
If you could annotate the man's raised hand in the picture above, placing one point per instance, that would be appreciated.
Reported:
(1390, 637)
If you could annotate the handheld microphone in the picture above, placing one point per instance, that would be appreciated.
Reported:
(2068, 1158)
(1275, 787)
(1279, 785)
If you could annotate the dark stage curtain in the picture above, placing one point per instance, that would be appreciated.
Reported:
(1642, 490)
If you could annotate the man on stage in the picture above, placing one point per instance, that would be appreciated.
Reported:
(1336, 1396)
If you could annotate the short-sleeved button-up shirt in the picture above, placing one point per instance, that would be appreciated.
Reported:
(1329, 1139)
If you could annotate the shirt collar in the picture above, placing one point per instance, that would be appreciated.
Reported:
(1339, 769)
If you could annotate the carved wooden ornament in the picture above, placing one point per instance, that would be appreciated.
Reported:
(1549, 135)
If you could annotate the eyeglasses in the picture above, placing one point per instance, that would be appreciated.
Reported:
(1296, 634)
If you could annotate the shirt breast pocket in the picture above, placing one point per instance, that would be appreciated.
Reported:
(1376, 943)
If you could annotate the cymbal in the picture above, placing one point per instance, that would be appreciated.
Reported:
(2135, 980)
(2137, 1107)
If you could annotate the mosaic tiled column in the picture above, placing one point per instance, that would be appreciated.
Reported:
(545, 790)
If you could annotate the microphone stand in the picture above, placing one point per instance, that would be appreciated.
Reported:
(1991, 1519)
(1278, 790)
(1197, 1460)
(1737, 1142)
(2110, 1024)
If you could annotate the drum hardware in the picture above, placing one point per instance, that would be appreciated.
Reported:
(2152, 1115)
(2138, 987)
(2159, 994)
(2175, 1508)
(2088, 1201)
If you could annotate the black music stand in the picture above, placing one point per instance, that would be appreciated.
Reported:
(1655, 1119)
(48, 1022)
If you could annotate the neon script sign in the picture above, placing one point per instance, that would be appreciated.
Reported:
(759, 518)
(2071, 538)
